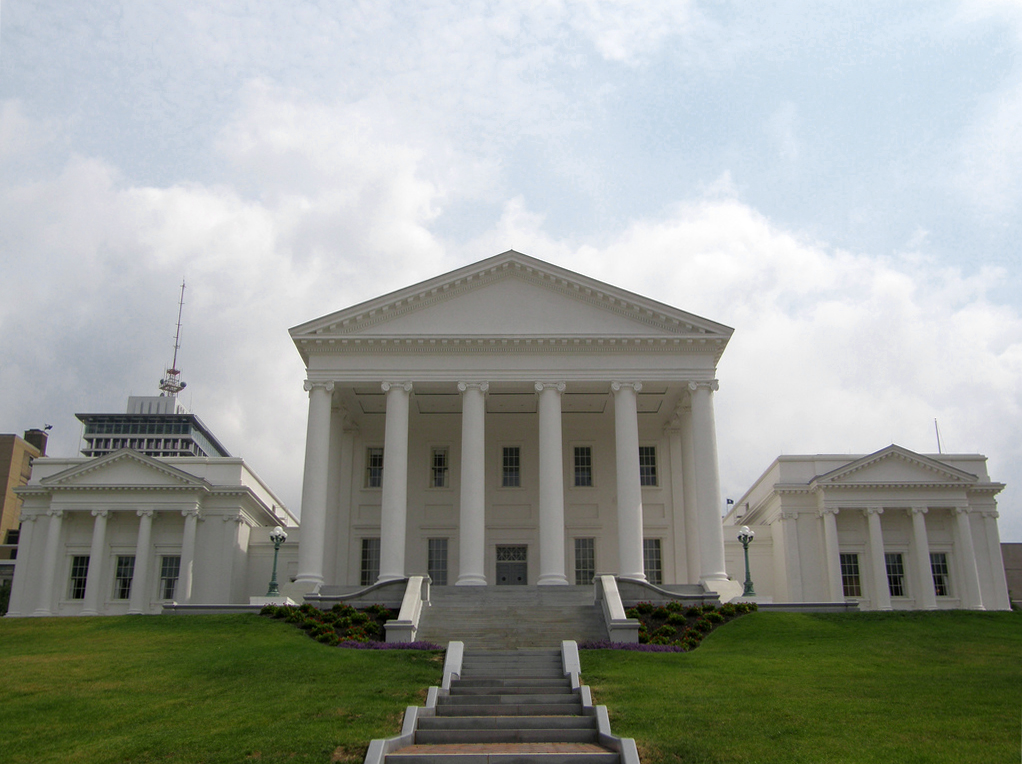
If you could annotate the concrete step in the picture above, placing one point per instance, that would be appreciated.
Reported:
(505, 681)
(508, 709)
(458, 690)
(506, 722)
(493, 700)
(504, 753)
(440, 737)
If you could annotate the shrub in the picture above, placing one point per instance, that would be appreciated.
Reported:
(703, 625)
(675, 607)
(693, 612)
(632, 612)
(728, 610)
(665, 631)
(714, 617)
(676, 618)
(661, 613)
(270, 610)
(306, 609)
(645, 608)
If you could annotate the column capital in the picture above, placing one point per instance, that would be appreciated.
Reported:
(792, 514)
(480, 386)
(58, 513)
(712, 385)
(918, 510)
(386, 386)
(29, 517)
(824, 511)
(145, 512)
(961, 510)
(987, 513)
(100, 512)
(559, 386)
(309, 384)
(617, 386)
(190, 512)
(873, 511)
(237, 518)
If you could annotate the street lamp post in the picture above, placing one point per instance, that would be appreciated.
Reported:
(746, 536)
(278, 537)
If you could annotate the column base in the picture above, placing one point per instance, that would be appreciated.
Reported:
(552, 579)
(389, 577)
(89, 612)
(42, 614)
(471, 581)
(640, 577)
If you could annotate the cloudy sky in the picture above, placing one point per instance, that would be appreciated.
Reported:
(841, 182)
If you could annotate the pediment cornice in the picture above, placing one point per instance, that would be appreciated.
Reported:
(71, 478)
(338, 332)
(944, 475)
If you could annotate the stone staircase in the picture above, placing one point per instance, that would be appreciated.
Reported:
(509, 707)
(511, 617)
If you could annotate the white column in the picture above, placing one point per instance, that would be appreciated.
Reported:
(49, 572)
(97, 554)
(1001, 600)
(881, 587)
(471, 571)
(711, 532)
(688, 450)
(924, 571)
(184, 582)
(139, 599)
(21, 571)
(629, 490)
(792, 559)
(833, 553)
(681, 540)
(393, 513)
(551, 485)
(972, 598)
(314, 486)
(335, 544)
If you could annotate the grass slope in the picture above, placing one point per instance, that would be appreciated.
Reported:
(196, 689)
(857, 687)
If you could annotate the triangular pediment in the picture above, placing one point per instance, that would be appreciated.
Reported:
(512, 296)
(895, 465)
(123, 469)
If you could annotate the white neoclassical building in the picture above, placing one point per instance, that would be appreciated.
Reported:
(889, 530)
(128, 532)
(511, 422)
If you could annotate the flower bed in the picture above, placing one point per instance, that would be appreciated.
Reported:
(344, 625)
(674, 627)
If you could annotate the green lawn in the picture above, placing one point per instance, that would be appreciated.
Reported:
(769, 687)
(892, 688)
(193, 689)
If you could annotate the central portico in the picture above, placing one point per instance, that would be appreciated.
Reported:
(510, 422)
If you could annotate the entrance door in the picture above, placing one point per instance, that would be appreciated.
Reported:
(512, 565)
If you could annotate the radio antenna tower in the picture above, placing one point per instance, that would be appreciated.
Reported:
(171, 383)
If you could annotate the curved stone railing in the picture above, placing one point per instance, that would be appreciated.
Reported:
(620, 627)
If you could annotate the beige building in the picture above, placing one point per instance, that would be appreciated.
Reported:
(16, 455)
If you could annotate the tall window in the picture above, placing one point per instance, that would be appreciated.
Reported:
(895, 573)
(511, 469)
(851, 583)
(585, 561)
(374, 467)
(370, 561)
(941, 574)
(437, 561)
(79, 573)
(123, 574)
(438, 472)
(651, 561)
(170, 571)
(647, 465)
(583, 466)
